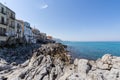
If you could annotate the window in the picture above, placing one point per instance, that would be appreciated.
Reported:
(2, 10)
(12, 24)
(18, 28)
(12, 16)
(2, 31)
(7, 21)
(2, 20)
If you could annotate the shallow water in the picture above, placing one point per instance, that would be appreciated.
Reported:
(93, 50)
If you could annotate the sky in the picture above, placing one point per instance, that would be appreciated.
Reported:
(73, 20)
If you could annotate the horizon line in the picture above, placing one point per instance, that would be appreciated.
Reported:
(90, 41)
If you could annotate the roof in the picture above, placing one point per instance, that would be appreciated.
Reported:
(7, 8)
(2, 4)
(21, 21)
(34, 29)
(10, 9)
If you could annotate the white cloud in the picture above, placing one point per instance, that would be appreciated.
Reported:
(43, 6)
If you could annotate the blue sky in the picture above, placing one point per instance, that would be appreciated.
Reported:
(75, 20)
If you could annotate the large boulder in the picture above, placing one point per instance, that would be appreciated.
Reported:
(107, 59)
(106, 68)
(83, 66)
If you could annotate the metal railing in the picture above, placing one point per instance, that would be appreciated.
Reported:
(3, 12)
(3, 23)
(11, 16)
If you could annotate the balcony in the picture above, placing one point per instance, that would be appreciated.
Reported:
(12, 26)
(3, 12)
(3, 34)
(12, 17)
(3, 23)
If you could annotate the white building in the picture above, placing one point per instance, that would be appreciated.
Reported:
(10, 22)
(36, 34)
(43, 36)
(3, 23)
(18, 29)
(28, 32)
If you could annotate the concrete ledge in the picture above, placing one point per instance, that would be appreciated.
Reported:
(3, 38)
(3, 26)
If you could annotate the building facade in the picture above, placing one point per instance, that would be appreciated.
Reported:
(36, 34)
(18, 29)
(12, 29)
(49, 37)
(43, 36)
(10, 22)
(28, 32)
(3, 23)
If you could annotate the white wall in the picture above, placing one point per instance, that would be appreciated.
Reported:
(1, 14)
(28, 32)
(20, 34)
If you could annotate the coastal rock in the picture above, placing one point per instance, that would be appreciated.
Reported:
(47, 63)
(83, 66)
(75, 76)
(101, 65)
(106, 68)
(76, 62)
(4, 67)
(107, 59)
(18, 54)
(94, 76)
(52, 62)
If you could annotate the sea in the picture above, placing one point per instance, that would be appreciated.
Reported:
(92, 50)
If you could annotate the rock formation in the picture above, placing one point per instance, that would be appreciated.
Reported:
(52, 62)
(106, 68)
(47, 63)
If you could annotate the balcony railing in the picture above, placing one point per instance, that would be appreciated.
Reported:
(12, 26)
(13, 17)
(3, 34)
(3, 12)
(3, 23)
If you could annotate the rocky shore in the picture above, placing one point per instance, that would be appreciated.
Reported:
(46, 63)
(18, 54)
(52, 62)
(106, 68)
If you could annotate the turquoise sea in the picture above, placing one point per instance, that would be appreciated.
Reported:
(93, 50)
